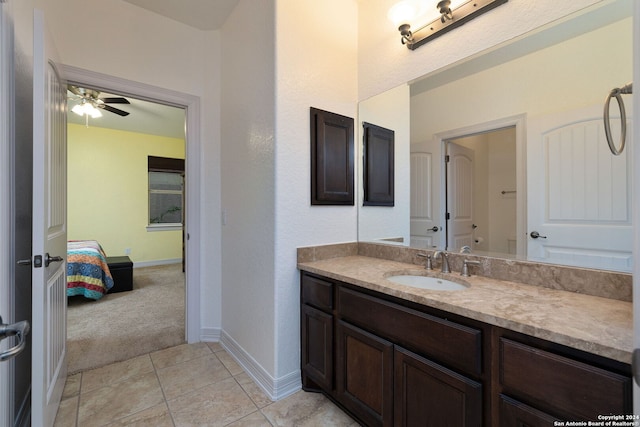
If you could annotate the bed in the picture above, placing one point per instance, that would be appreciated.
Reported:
(88, 274)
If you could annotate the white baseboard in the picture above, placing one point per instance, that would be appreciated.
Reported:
(210, 334)
(275, 388)
(153, 263)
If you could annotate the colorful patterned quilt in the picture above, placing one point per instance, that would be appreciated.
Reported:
(87, 270)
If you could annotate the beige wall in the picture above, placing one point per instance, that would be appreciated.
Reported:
(125, 41)
(389, 110)
(108, 192)
(384, 63)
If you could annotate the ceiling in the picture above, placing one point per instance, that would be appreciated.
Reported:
(145, 117)
(148, 117)
(200, 14)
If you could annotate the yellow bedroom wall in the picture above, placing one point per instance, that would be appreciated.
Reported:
(108, 194)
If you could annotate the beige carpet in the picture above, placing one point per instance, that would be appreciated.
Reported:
(123, 325)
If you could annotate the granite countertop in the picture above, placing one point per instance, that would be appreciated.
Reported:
(594, 324)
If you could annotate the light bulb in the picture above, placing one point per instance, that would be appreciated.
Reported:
(86, 108)
(78, 109)
(402, 12)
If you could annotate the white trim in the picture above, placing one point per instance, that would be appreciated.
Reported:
(275, 388)
(192, 164)
(636, 198)
(519, 122)
(156, 262)
(210, 334)
(7, 118)
(152, 228)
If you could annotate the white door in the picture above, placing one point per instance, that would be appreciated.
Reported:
(636, 203)
(460, 193)
(580, 194)
(426, 230)
(49, 365)
(6, 63)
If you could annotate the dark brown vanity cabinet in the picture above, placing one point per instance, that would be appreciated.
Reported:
(428, 394)
(364, 374)
(316, 333)
(541, 385)
(390, 362)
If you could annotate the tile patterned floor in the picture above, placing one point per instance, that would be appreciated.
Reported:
(188, 385)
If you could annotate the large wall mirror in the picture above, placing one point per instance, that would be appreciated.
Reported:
(504, 154)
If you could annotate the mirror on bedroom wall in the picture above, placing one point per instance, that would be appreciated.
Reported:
(522, 128)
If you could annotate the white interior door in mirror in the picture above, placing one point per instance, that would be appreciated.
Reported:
(460, 180)
(580, 193)
(426, 229)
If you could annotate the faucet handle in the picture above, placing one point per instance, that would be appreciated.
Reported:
(429, 264)
(465, 267)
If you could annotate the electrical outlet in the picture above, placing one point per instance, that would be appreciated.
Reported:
(127, 251)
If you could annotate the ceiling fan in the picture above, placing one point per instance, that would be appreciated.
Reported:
(90, 103)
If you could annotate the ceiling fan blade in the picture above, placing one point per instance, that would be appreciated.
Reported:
(114, 110)
(115, 100)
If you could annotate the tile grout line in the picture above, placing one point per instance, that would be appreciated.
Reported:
(164, 396)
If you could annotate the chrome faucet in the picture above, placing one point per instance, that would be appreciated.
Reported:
(445, 260)
(428, 265)
(465, 267)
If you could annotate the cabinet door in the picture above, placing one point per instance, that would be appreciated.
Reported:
(364, 374)
(430, 395)
(317, 348)
(517, 414)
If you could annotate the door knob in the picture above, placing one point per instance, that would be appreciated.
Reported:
(21, 329)
(535, 235)
(49, 259)
(434, 228)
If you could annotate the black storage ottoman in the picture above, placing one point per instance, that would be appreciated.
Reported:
(121, 269)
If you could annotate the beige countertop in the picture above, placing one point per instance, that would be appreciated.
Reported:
(594, 324)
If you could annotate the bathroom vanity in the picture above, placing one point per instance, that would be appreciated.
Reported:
(497, 353)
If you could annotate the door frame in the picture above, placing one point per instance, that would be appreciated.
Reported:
(517, 121)
(636, 200)
(7, 114)
(191, 104)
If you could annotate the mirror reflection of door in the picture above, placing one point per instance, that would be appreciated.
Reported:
(460, 195)
(480, 186)
(583, 190)
(425, 225)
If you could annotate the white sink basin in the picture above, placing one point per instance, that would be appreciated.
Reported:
(426, 282)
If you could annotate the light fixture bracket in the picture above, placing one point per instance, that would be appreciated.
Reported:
(449, 20)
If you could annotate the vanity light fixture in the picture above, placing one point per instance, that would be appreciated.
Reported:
(448, 18)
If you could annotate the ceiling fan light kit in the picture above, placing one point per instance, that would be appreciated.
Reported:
(86, 108)
(90, 103)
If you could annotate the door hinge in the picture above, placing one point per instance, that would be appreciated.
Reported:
(447, 158)
(448, 216)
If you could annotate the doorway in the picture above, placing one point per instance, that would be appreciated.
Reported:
(518, 136)
(191, 105)
(125, 193)
(481, 195)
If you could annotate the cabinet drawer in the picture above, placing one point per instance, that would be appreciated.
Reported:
(447, 342)
(317, 292)
(562, 385)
